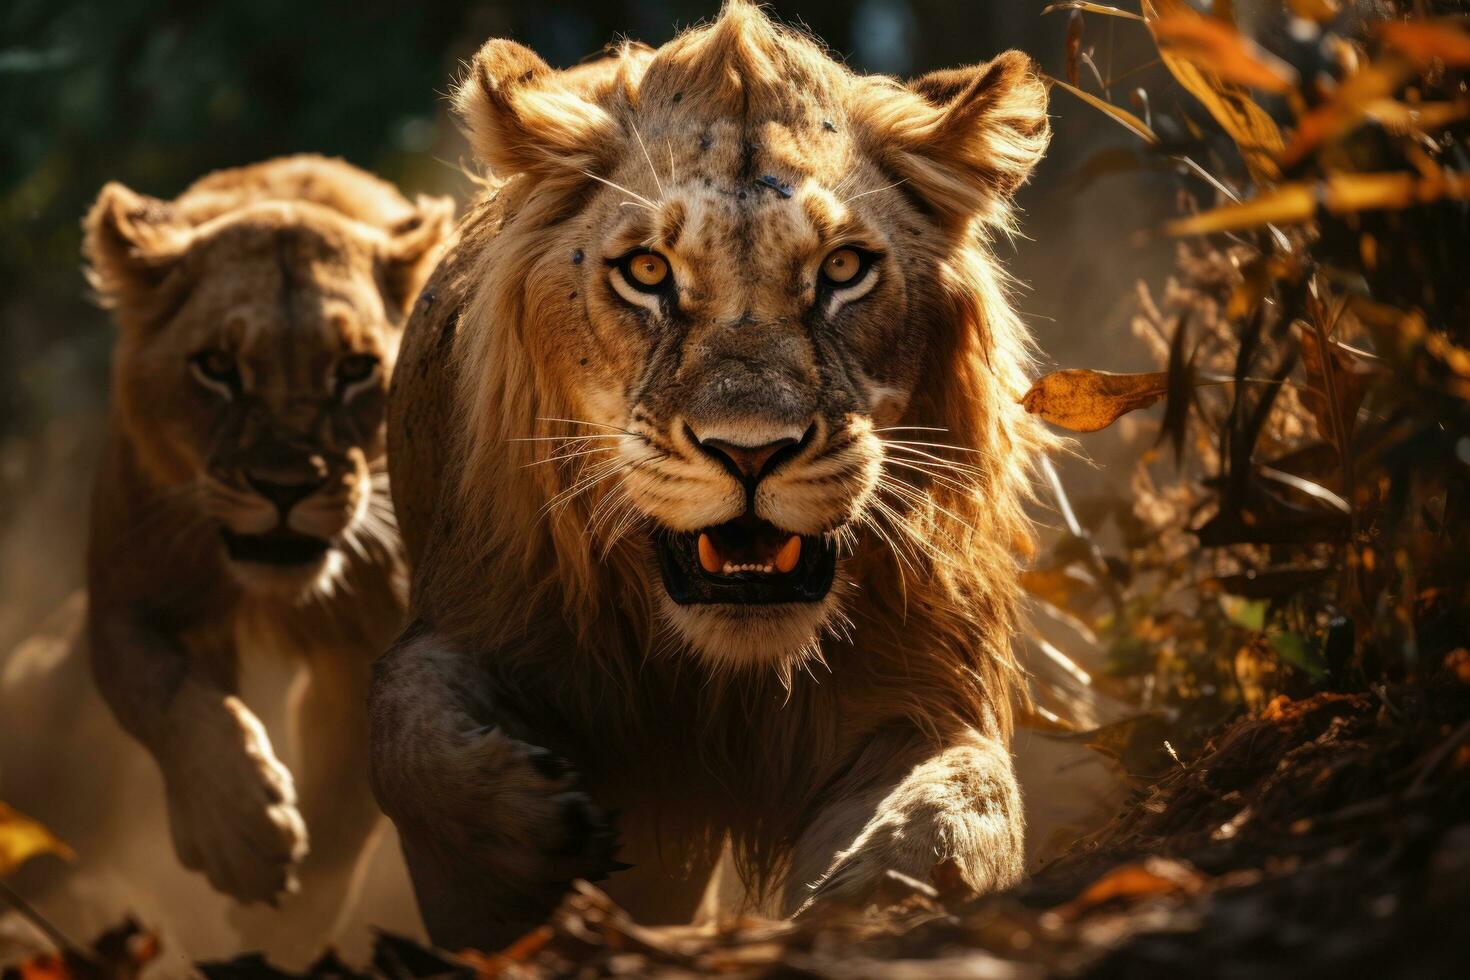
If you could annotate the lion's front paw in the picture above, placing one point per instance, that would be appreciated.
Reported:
(232, 808)
(515, 811)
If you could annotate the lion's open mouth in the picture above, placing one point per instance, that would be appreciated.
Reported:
(282, 548)
(747, 562)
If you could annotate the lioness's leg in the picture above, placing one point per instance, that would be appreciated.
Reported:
(493, 828)
(336, 800)
(907, 808)
(232, 805)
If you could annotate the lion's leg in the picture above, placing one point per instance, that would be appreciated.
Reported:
(493, 828)
(909, 808)
(669, 875)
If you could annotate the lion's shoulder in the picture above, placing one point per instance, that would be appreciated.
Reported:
(421, 402)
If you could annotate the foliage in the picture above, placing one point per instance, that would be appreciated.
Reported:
(1315, 346)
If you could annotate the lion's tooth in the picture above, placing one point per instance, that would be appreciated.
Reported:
(709, 557)
(729, 569)
(789, 554)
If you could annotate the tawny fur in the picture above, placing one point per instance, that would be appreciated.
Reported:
(284, 269)
(828, 742)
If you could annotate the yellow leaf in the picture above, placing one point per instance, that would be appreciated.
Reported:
(1130, 122)
(1255, 134)
(1091, 8)
(22, 838)
(1357, 93)
(1086, 401)
(1339, 194)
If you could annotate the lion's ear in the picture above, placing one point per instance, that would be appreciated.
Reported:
(412, 249)
(132, 243)
(974, 139)
(523, 117)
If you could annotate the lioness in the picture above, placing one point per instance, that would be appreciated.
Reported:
(706, 448)
(240, 516)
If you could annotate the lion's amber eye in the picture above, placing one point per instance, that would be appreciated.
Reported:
(842, 267)
(648, 270)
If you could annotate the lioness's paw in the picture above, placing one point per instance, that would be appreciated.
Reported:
(232, 809)
(518, 809)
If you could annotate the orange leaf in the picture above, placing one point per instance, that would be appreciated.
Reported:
(1086, 401)
(1217, 47)
(1355, 97)
(22, 838)
(1428, 40)
(1317, 11)
(1154, 876)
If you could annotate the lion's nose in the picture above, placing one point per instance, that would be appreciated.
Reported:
(751, 463)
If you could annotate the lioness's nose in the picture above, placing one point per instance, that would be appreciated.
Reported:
(285, 495)
(751, 463)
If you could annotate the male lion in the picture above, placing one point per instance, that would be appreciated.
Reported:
(706, 450)
(240, 517)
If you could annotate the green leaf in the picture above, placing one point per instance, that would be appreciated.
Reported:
(1247, 613)
(1292, 648)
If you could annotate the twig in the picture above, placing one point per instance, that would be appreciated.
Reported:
(28, 912)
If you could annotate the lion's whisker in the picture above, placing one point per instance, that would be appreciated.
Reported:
(651, 168)
(641, 201)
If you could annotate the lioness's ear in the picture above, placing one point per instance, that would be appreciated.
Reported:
(412, 249)
(523, 117)
(974, 139)
(131, 244)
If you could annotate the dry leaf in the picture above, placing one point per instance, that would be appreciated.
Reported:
(22, 838)
(1129, 121)
(1349, 380)
(1074, 47)
(1091, 8)
(1086, 401)
(1255, 134)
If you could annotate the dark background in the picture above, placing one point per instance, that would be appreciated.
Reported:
(155, 93)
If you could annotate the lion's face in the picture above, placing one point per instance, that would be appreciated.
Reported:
(766, 340)
(743, 305)
(252, 374)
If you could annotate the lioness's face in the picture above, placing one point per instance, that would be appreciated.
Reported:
(258, 384)
(752, 271)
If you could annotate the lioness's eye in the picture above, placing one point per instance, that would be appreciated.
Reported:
(843, 267)
(216, 370)
(355, 368)
(647, 271)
